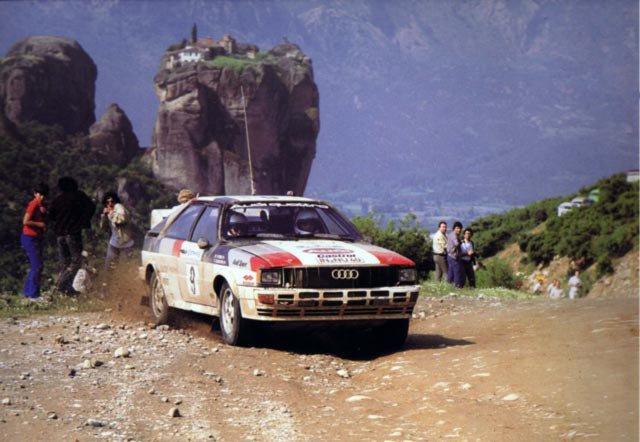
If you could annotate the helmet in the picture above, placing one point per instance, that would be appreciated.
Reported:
(307, 222)
(238, 222)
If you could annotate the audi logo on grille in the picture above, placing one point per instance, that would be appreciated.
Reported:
(344, 274)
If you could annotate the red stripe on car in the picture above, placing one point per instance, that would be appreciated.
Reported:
(177, 245)
(274, 259)
(391, 258)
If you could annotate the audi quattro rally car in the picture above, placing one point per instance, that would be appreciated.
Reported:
(246, 259)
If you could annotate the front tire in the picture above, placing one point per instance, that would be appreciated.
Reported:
(160, 310)
(393, 334)
(234, 328)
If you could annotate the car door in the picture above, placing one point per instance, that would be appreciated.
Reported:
(171, 248)
(196, 281)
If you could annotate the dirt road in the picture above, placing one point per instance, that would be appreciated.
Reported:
(471, 370)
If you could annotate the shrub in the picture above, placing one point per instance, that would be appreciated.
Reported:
(407, 238)
(496, 273)
(608, 228)
(604, 266)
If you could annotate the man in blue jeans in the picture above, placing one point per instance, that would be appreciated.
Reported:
(455, 274)
(70, 212)
(33, 226)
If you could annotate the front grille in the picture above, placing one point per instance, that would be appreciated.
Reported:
(321, 278)
(338, 311)
(340, 303)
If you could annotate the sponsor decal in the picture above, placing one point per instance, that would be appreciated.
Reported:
(325, 250)
(219, 259)
(239, 263)
(248, 277)
(334, 255)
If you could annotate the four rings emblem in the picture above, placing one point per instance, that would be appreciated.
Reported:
(345, 274)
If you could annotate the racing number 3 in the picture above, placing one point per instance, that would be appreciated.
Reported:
(192, 277)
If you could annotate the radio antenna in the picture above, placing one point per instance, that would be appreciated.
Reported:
(246, 131)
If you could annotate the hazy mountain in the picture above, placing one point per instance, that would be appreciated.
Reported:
(486, 100)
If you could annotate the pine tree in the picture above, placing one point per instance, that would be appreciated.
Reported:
(194, 33)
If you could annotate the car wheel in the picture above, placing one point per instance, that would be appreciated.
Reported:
(393, 334)
(160, 310)
(234, 328)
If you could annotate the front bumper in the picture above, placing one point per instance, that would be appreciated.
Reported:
(328, 304)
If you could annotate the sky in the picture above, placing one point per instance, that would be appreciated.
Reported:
(405, 86)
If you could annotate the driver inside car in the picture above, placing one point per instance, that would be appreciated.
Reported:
(237, 225)
(307, 222)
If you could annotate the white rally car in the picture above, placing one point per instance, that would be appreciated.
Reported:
(273, 259)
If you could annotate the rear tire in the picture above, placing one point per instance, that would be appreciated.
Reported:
(234, 328)
(160, 310)
(393, 334)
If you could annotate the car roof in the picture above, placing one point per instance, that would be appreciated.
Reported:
(254, 199)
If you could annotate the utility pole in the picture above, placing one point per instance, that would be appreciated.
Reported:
(246, 130)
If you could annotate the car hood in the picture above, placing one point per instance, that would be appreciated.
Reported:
(274, 253)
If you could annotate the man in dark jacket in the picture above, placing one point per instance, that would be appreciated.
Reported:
(455, 273)
(70, 212)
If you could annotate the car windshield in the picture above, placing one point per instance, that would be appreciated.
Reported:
(287, 221)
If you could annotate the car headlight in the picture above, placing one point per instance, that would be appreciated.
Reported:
(407, 275)
(270, 277)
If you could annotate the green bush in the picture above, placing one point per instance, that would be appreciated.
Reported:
(496, 273)
(604, 266)
(407, 238)
(600, 232)
(494, 232)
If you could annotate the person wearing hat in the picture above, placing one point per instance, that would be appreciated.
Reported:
(31, 239)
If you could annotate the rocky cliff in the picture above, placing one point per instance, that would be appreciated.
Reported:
(50, 80)
(199, 139)
(112, 137)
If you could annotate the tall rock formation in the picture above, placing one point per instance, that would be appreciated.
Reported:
(50, 80)
(199, 139)
(112, 137)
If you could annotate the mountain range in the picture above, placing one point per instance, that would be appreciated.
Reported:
(489, 101)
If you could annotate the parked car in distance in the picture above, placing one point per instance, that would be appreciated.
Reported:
(251, 260)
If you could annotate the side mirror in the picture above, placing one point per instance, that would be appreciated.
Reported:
(203, 243)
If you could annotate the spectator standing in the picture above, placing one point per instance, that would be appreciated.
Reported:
(455, 272)
(574, 285)
(31, 239)
(468, 257)
(115, 217)
(70, 212)
(439, 248)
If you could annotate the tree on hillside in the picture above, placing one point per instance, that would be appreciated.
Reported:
(194, 33)
(406, 237)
